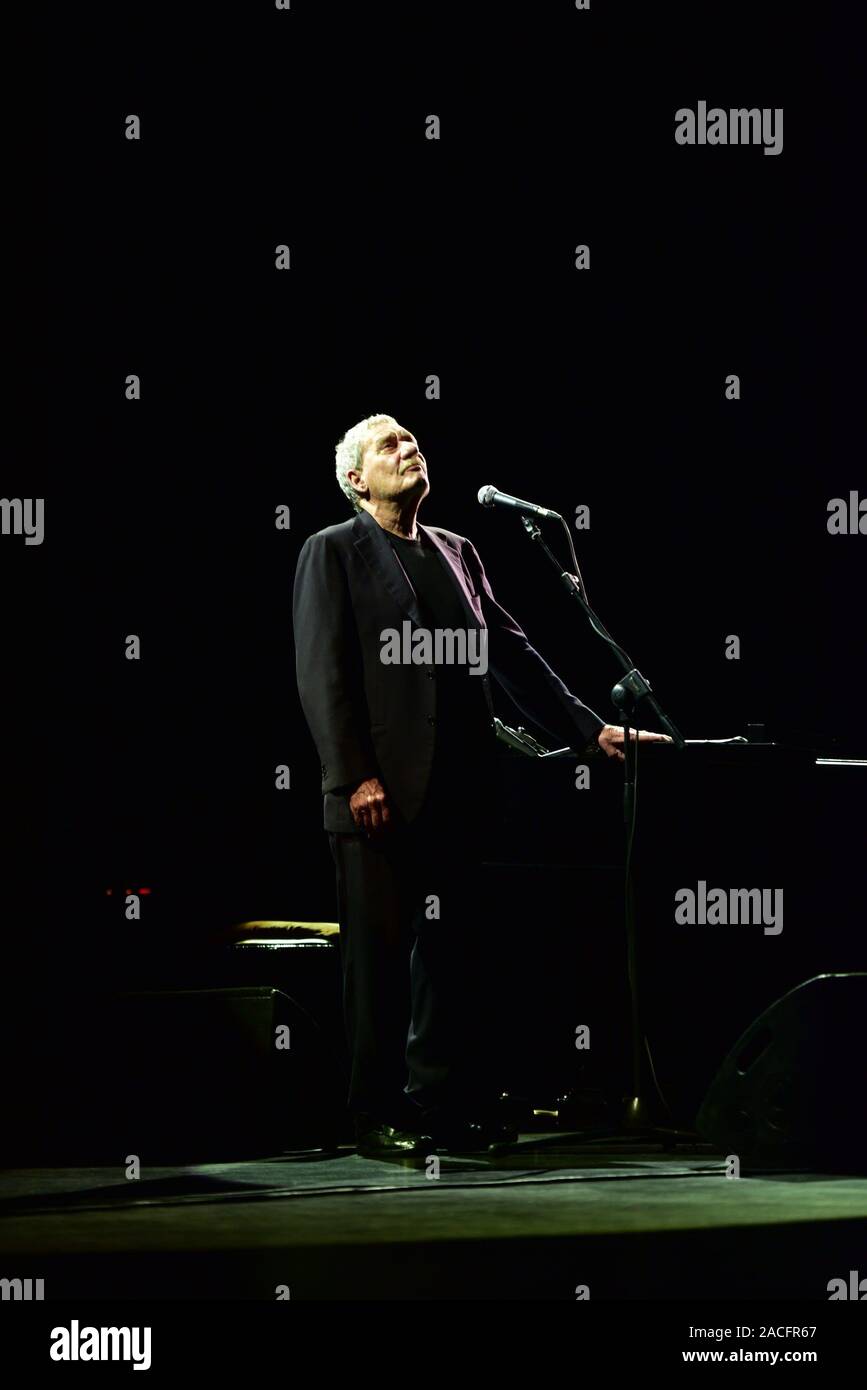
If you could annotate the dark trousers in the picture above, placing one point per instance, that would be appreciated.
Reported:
(412, 936)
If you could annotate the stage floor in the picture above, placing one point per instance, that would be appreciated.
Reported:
(628, 1222)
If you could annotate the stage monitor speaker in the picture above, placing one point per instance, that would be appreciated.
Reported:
(168, 1076)
(792, 1089)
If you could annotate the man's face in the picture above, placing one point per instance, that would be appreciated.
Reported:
(392, 467)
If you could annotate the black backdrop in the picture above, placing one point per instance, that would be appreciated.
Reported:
(409, 257)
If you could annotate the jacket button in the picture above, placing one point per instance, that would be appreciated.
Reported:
(431, 719)
(429, 672)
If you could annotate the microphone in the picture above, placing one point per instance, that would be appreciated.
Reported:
(490, 497)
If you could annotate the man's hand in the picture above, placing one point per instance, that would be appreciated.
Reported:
(369, 806)
(610, 739)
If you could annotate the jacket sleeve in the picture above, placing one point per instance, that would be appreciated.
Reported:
(328, 667)
(535, 688)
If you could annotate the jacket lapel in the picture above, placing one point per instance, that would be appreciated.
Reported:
(455, 568)
(373, 545)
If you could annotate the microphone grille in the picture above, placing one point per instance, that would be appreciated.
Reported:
(486, 495)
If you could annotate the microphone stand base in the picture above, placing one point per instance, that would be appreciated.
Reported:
(636, 1115)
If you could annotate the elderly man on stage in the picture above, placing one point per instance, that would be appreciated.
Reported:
(405, 748)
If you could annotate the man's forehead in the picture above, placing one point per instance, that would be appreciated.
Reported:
(384, 427)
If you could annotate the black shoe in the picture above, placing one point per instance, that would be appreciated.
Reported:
(463, 1134)
(377, 1140)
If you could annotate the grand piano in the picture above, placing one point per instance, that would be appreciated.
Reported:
(728, 815)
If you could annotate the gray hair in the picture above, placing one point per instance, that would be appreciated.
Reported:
(348, 455)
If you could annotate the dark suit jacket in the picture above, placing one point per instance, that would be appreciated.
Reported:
(370, 719)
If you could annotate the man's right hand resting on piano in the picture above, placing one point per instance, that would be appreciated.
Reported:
(610, 739)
